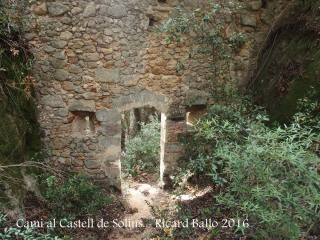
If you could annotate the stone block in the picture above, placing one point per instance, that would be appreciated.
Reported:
(176, 111)
(113, 158)
(60, 143)
(106, 142)
(88, 95)
(49, 49)
(52, 101)
(92, 164)
(175, 127)
(130, 80)
(248, 20)
(76, 10)
(113, 151)
(66, 153)
(60, 55)
(197, 97)
(118, 11)
(62, 160)
(75, 69)
(108, 32)
(107, 75)
(68, 85)
(66, 35)
(41, 9)
(255, 5)
(92, 147)
(90, 10)
(59, 44)
(77, 163)
(135, 100)
(62, 112)
(57, 63)
(66, 20)
(81, 105)
(91, 57)
(112, 169)
(52, 33)
(61, 74)
(56, 8)
(108, 115)
(110, 129)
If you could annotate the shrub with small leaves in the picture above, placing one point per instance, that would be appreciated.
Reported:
(143, 151)
(13, 233)
(75, 196)
(269, 174)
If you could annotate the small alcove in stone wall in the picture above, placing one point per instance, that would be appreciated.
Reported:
(84, 114)
(197, 102)
(83, 123)
(152, 20)
(194, 113)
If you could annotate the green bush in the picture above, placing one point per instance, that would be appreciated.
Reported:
(271, 175)
(143, 151)
(274, 179)
(222, 124)
(75, 196)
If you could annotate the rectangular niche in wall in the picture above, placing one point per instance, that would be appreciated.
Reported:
(83, 123)
(194, 113)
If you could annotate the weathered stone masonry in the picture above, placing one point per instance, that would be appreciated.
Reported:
(98, 58)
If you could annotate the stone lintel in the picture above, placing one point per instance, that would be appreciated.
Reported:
(81, 105)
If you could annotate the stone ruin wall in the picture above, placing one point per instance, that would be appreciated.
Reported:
(96, 59)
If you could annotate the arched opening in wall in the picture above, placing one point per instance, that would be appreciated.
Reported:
(140, 144)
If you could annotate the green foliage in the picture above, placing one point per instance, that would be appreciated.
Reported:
(202, 30)
(270, 175)
(74, 196)
(19, 131)
(12, 233)
(237, 40)
(309, 113)
(143, 151)
(14, 16)
(202, 27)
(16, 106)
(274, 179)
(222, 124)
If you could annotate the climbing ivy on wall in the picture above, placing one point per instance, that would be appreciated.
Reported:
(203, 31)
